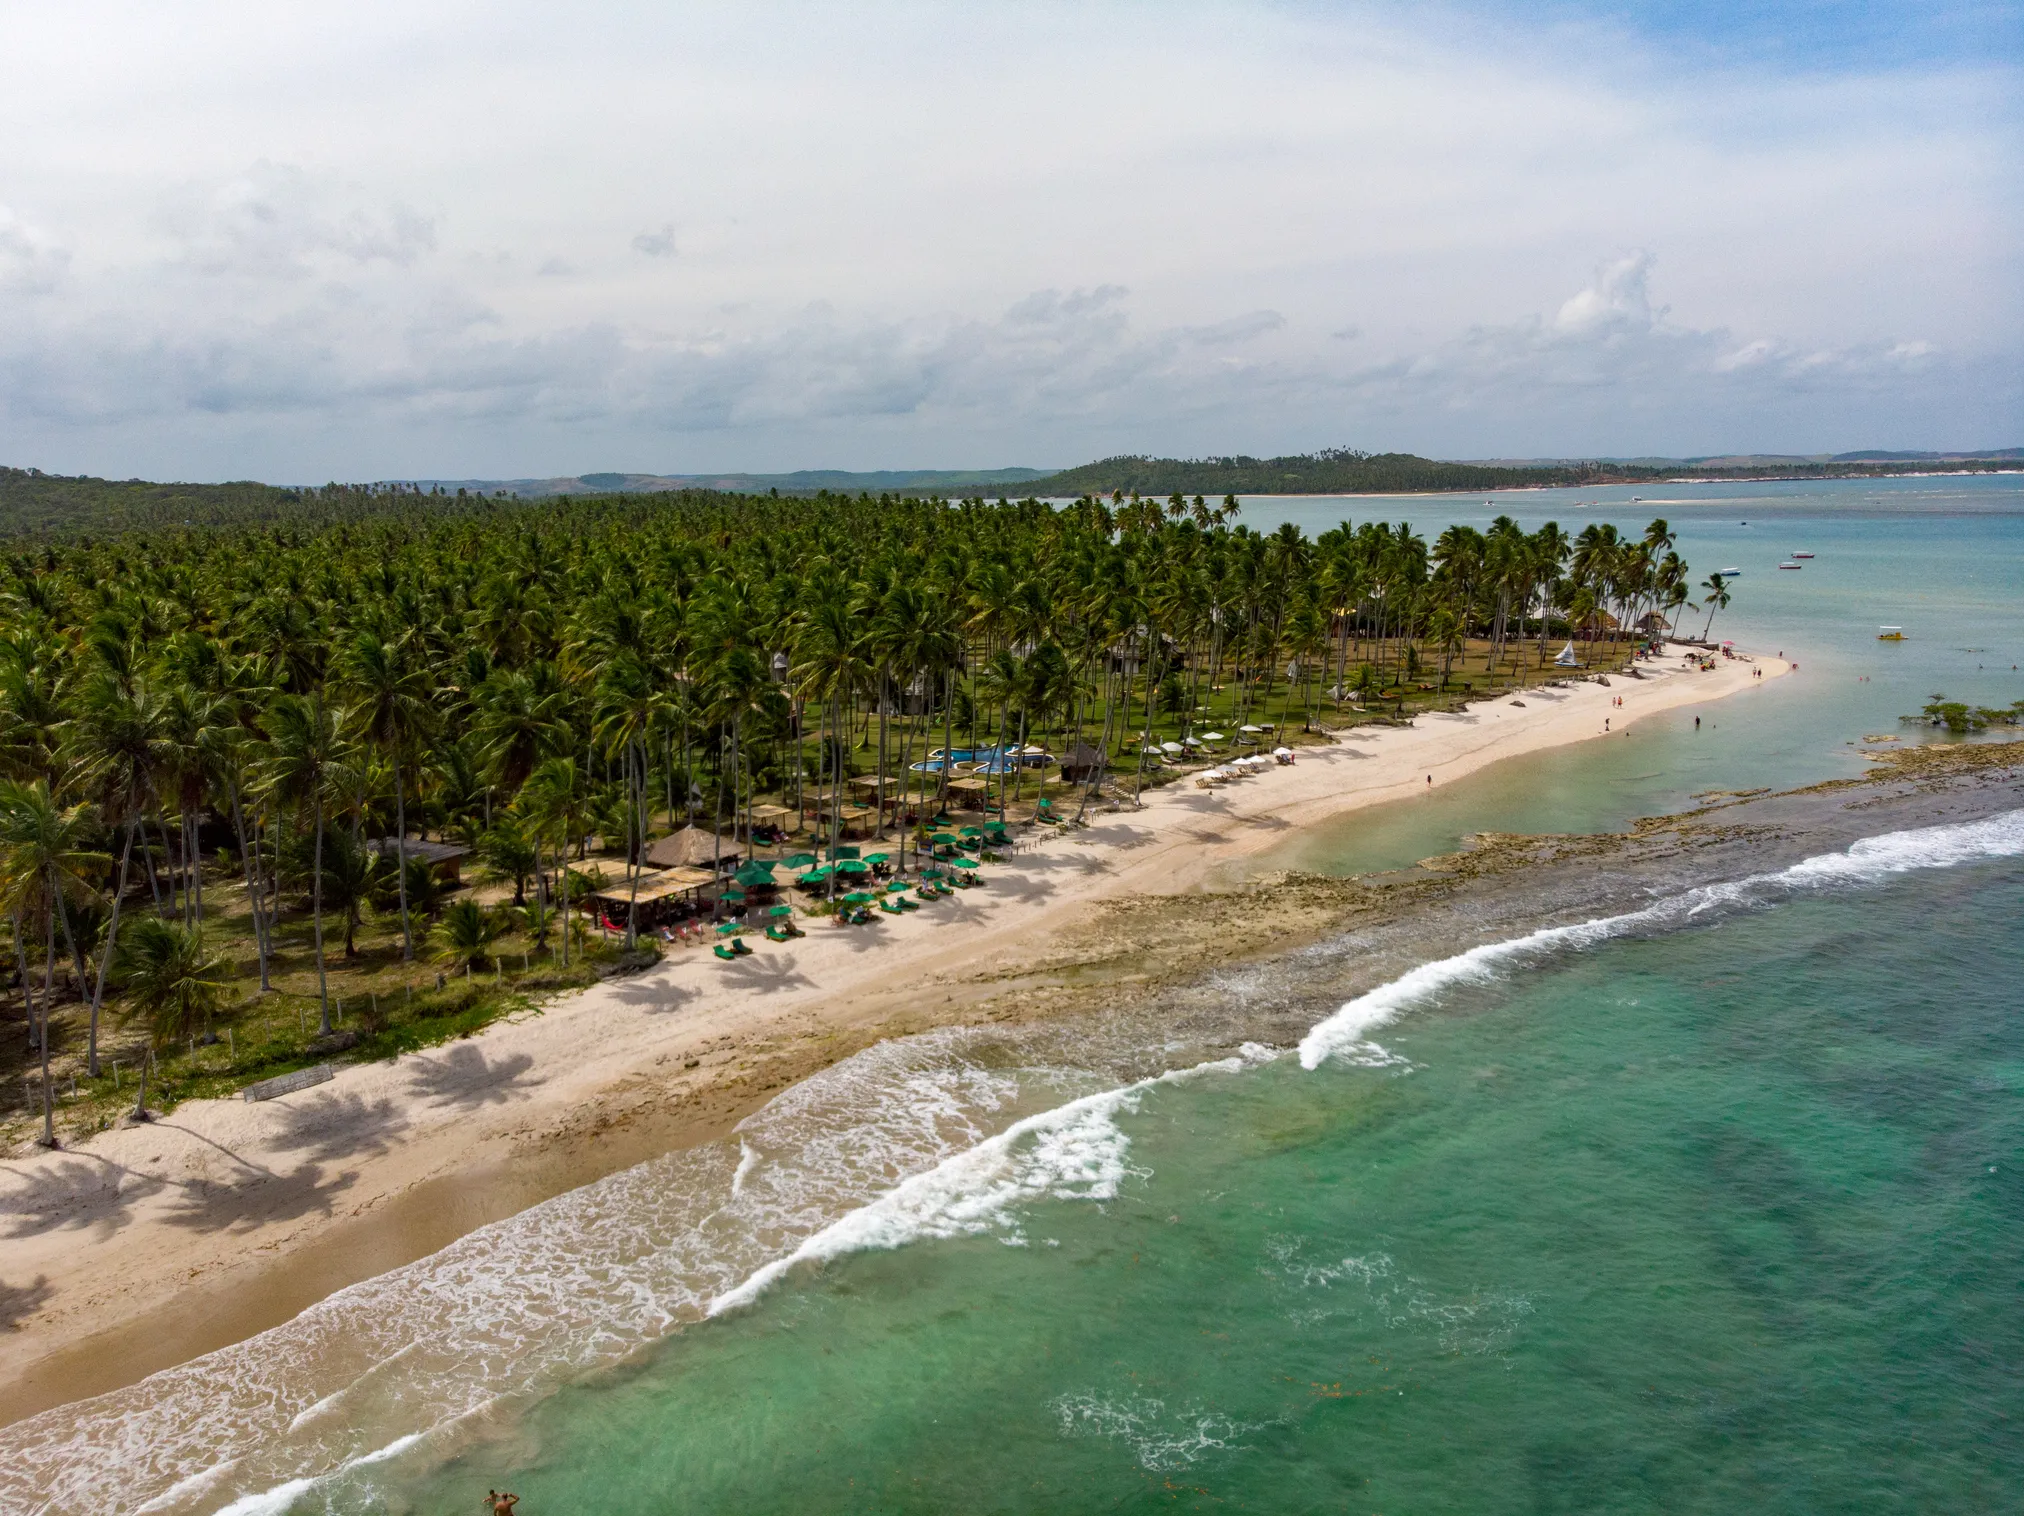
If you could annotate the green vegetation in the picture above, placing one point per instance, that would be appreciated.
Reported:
(1963, 719)
(207, 733)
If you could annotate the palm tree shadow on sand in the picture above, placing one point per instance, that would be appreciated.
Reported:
(767, 974)
(462, 1077)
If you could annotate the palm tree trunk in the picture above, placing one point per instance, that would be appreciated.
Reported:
(1103, 747)
(885, 683)
(636, 795)
(48, 993)
(562, 886)
(105, 954)
(401, 859)
(316, 907)
(148, 858)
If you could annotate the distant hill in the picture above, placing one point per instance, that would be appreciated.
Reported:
(1760, 461)
(35, 503)
(1336, 471)
(801, 482)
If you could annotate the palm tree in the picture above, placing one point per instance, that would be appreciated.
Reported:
(120, 745)
(44, 862)
(310, 757)
(1717, 600)
(508, 852)
(394, 713)
(552, 800)
(832, 669)
(352, 875)
(466, 932)
(172, 983)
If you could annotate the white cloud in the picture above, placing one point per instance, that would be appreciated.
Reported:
(277, 219)
(31, 263)
(1615, 300)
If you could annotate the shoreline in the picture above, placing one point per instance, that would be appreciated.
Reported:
(145, 1247)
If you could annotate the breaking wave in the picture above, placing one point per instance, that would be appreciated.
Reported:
(1869, 861)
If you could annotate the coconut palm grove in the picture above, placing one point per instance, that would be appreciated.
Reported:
(239, 754)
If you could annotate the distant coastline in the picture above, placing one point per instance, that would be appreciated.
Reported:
(36, 504)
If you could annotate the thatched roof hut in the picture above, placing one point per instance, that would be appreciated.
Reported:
(693, 847)
(1081, 760)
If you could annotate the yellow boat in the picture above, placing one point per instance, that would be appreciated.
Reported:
(1890, 634)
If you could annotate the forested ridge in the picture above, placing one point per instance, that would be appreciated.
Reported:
(1335, 471)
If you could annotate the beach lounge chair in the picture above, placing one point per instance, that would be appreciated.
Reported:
(893, 907)
(780, 934)
(735, 948)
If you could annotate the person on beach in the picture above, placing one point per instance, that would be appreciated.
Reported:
(502, 1505)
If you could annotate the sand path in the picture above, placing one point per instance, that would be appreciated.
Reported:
(144, 1247)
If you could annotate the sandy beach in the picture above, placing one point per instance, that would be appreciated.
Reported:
(147, 1246)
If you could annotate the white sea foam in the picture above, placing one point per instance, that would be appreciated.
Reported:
(268, 1502)
(1869, 861)
(1161, 1438)
(580, 1281)
(1073, 1152)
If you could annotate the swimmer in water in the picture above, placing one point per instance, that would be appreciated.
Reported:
(502, 1505)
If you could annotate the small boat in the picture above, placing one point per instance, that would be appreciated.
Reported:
(1802, 555)
(1730, 573)
(1890, 634)
(1789, 564)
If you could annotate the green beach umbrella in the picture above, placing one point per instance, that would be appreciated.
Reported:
(728, 927)
(973, 831)
(944, 839)
(732, 892)
(878, 858)
(755, 874)
(799, 860)
(781, 910)
(857, 897)
(853, 866)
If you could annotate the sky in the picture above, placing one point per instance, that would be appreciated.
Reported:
(439, 239)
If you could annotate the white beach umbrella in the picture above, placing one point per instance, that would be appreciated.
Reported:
(1212, 737)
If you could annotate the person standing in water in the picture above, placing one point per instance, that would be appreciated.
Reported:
(502, 1505)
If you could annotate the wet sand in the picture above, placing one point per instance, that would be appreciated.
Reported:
(144, 1247)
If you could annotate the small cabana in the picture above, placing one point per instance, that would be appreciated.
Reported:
(661, 888)
(445, 859)
(1082, 762)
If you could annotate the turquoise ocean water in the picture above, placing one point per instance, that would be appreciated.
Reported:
(1715, 1202)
